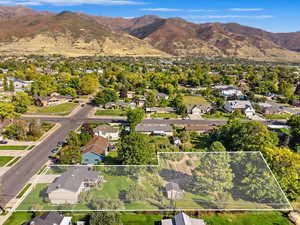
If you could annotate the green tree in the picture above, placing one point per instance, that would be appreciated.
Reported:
(105, 218)
(89, 84)
(106, 96)
(22, 101)
(151, 99)
(7, 111)
(285, 164)
(213, 176)
(11, 86)
(70, 155)
(294, 123)
(238, 136)
(136, 149)
(217, 147)
(5, 84)
(134, 117)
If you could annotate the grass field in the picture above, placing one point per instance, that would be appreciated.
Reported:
(5, 159)
(110, 112)
(285, 116)
(165, 115)
(19, 218)
(13, 147)
(195, 100)
(58, 110)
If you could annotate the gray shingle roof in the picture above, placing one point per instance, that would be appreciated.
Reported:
(172, 186)
(49, 218)
(73, 178)
(151, 128)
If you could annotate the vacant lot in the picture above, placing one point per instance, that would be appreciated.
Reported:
(195, 100)
(58, 110)
(4, 160)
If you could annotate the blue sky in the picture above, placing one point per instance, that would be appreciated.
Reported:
(275, 16)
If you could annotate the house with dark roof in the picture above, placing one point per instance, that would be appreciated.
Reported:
(107, 131)
(51, 218)
(95, 150)
(66, 188)
(52, 100)
(173, 191)
(183, 219)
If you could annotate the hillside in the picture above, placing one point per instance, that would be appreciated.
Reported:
(25, 31)
(67, 34)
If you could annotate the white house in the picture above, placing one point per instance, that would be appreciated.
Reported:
(183, 219)
(230, 92)
(107, 131)
(244, 106)
(198, 110)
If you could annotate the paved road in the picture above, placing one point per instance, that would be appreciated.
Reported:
(15, 178)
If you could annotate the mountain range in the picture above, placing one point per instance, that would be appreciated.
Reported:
(25, 31)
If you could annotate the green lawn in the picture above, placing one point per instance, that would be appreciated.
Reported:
(271, 218)
(110, 112)
(195, 100)
(59, 110)
(217, 115)
(19, 218)
(285, 116)
(140, 219)
(5, 159)
(13, 147)
(165, 115)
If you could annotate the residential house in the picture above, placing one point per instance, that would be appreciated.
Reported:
(296, 103)
(231, 92)
(273, 110)
(162, 130)
(66, 188)
(52, 100)
(198, 110)
(182, 219)
(130, 94)
(94, 151)
(19, 85)
(109, 132)
(51, 218)
(244, 106)
(160, 96)
(140, 101)
(176, 141)
(173, 191)
(120, 105)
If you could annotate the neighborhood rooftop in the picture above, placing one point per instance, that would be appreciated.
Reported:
(72, 179)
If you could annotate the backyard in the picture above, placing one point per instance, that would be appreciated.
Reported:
(195, 100)
(57, 110)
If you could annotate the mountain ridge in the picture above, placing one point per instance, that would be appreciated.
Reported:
(151, 34)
